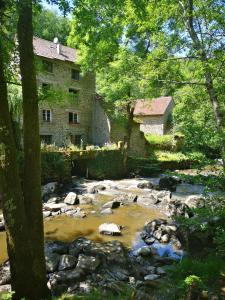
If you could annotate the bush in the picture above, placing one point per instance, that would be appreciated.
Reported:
(56, 166)
(162, 142)
(194, 157)
(206, 271)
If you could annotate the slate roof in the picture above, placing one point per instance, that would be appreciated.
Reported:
(48, 49)
(152, 107)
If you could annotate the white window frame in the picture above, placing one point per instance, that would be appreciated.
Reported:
(73, 119)
(45, 115)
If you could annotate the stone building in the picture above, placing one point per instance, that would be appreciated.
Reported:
(153, 115)
(68, 117)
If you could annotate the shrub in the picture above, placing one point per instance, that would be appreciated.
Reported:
(162, 142)
(55, 167)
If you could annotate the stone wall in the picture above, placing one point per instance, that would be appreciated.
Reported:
(138, 144)
(59, 127)
(153, 125)
(101, 125)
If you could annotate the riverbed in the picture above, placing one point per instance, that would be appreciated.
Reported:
(130, 217)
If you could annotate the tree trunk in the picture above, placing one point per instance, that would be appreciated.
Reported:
(12, 197)
(129, 127)
(32, 166)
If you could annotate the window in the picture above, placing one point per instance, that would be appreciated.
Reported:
(75, 74)
(46, 115)
(73, 118)
(74, 94)
(46, 87)
(47, 66)
(46, 139)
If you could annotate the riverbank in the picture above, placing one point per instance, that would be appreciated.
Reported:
(100, 234)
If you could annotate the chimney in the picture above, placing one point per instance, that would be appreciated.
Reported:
(58, 46)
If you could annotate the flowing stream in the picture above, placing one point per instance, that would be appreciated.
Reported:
(64, 228)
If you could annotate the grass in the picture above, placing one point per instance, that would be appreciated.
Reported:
(164, 156)
(163, 142)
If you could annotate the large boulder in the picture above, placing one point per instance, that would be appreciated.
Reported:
(176, 208)
(48, 188)
(71, 199)
(168, 183)
(195, 201)
(54, 206)
(112, 204)
(5, 276)
(109, 229)
(56, 247)
(52, 261)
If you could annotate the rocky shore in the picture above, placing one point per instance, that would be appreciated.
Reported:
(82, 264)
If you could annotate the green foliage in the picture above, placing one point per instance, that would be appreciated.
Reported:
(162, 142)
(55, 166)
(144, 49)
(48, 24)
(124, 293)
(205, 272)
(7, 296)
(198, 126)
(164, 156)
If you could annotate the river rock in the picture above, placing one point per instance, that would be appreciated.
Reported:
(54, 206)
(56, 247)
(112, 204)
(46, 214)
(165, 238)
(97, 188)
(5, 275)
(67, 262)
(71, 199)
(85, 199)
(107, 211)
(160, 271)
(195, 201)
(88, 263)
(177, 208)
(5, 288)
(144, 251)
(168, 183)
(79, 245)
(145, 185)
(151, 277)
(52, 261)
(54, 200)
(109, 229)
(147, 200)
(48, 188)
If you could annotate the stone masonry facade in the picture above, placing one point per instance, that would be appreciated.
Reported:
(63, 122)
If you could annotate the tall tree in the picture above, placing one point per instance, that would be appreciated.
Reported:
(32, 166)
(21, 197)
(165, 35)
(49, 24)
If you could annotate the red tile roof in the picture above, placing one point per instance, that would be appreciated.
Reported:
(48, 49)
(152, 107)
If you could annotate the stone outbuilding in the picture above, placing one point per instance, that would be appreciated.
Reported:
(154, 115)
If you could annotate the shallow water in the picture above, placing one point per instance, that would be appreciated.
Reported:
(64, 228)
